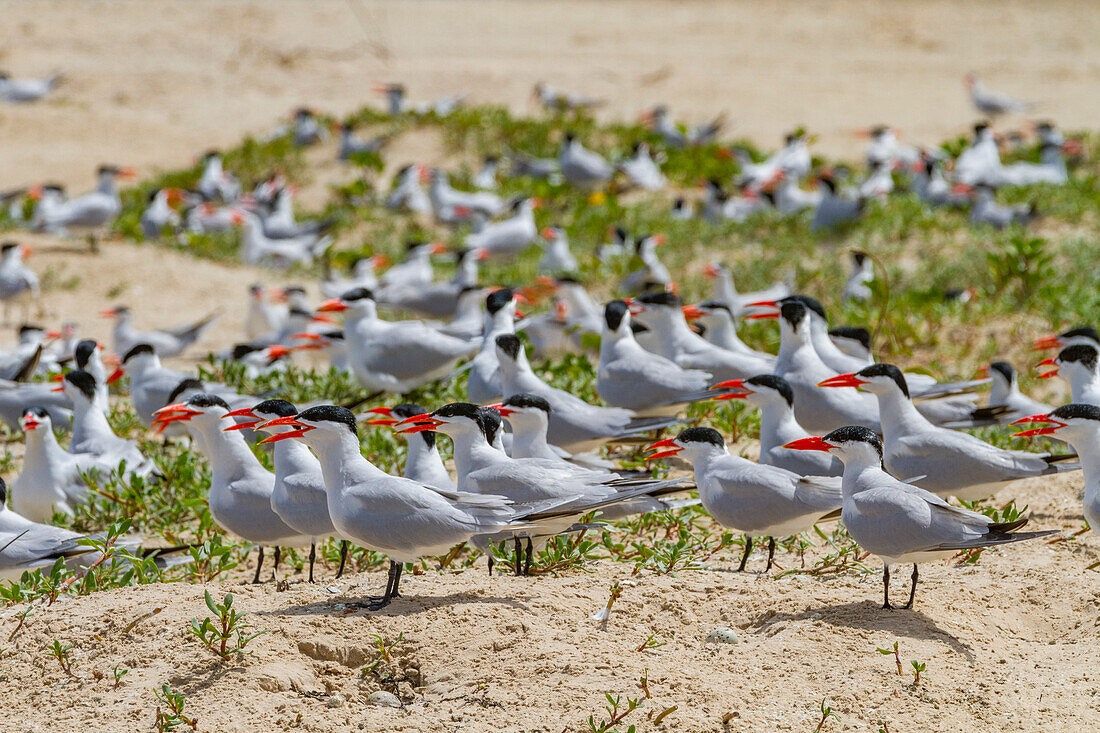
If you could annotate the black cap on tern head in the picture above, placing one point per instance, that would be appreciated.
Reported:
(855, 333)
(701, 435)
(3, 492)
(187, 385)
(859, 257)
(205, 399)
(497, 299)
(614, 312)
(660, 298)
(39, 412)
(715, 305)
(1005, 369)
(8, 246)
(458, 409)
(30, 328)
(811, 303)
(357, 294)
(886, 370)
(510, 345)
(331, 413)
(524, 400)
(407, 409)
(1086, 331)
(490, 422)
(83, 381)
(137, 351)
(279, 408)
(779, 384)
(242, 350)
(83, 352)
(1077, 411)
(793, 312)
(1083, 353)
(855, 433)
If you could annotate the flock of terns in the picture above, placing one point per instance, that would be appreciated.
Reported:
(841, 436)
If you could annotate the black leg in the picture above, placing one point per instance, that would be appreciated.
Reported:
(886, 586)
(748, 551)
(771, 553)
(519, 557)
(259, 564)
(343, 558)
(912, 590)
(527, 562)
(396, 592)
(491, 562)
(312, 559)
(277, 556)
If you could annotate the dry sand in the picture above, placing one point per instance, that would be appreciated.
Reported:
(1010, 644)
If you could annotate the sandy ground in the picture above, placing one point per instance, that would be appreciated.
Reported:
(1010, 644)
(155, 83)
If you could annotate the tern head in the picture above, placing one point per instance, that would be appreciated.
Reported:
(453, 420)
(500, 298)
(36, 419)
(136, 360)
(794, 319)
(120, 313)
(203, 410)
(851, 444)
(616, 316)
(78, 385)
(694, 443)
(710, 312)
(1078, 335)
(761, 390)
(261, 413)
(84, 351)
(526, 412)
(315, 426)
(360, 301)
(1079, 360)
(1078, 424)
(854, 340)
(1003, 371)
(510, 352)
(877, 379)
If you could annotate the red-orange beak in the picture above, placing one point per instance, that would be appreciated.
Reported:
(499, 407)
(809, 444)
(58, 388)
(710, 270)
(243, 412)
(842, 380)
(417, 423)
(1047, 342)
(669, 443)
(692, 312)
(25, 251)
(438, 248)
(116, 375)
(387, 420)
(763, 304)
(334, 305)
(1048, 362)
(288, 420)
(29, 423)
(277, 351)
(732, 384)
(178, 412)
(1055, 427)
(108, 313)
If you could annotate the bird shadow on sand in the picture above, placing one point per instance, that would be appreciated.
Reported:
(871, 616)
(400, 606)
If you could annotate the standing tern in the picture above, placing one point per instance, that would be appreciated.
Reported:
(18, 283)
(581, 166)
(166, 342)
(642, 170)
(422, 461)
(299, 496)
(556, 257)
(726, 292)
(160, 214)
(215, 184)
(900, 522)
(393, 356)
(992, 103)
(943, 461)
(510, 236)
(396, 516)
(240, 487)
(863, 273)
(756, 499)
(1078, 366)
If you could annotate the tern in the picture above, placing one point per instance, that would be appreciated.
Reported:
(484, 381)
(556, 257)
(422, 461)
(992, 103)
(581, 166)
(241, 488)
(559, 100)
(1078, 335)
(393, 356)
(756, 499)
(214, 183)
(436, 299)
(450, 204)
(652, 272)
(257, 247)
(92, 433)
(900, 522)
(575, 425)
(510, 236)
(858, 287)
(408, 193)
(166, 342)
(299, 496)
(642, 170)
(1005, 391)
(51, 479)
(1078, 366)
(396, 516)
(160, 214)
(17, 281)
(628, 376)
(1079, 425)
(93, 210)
(363, 275)
(834, 209)
(778, 426)
(658, 119)
(726, 292)
(943, 461)
(26, 545)
(28, 89)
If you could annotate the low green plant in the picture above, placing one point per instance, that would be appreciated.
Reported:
(61, 654)
(826, 713)
(227, 625)
(918, 668)
(172, 716)
(615, 712)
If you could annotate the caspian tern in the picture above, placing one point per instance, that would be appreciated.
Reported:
(652, 272)
(94, 210)
(510, 236)
(642, 170)
(1079, 425)
(659, 121)
(160, 214)
(451, 205)
(26, 545)
(834, 209)
(991, 103)
(1077, 335)
(408, 193)
(422, 461)
(50, 480)
(757, 499)
(863, 273)
(556, 257)
(241, 488)
(166, 342)
(363, 275)
(900, 522)
(581, 166)
(943, 461)
(92, 433)
(215, 184)
(393, 356)
(575, 425)
(17, 281)
(726, 292)
(1078, 366)
(27, 89)
(1005, 391)
(484, 381)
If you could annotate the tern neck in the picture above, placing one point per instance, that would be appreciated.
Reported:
(529, 438)
(472, 452)
(778, 426)
(899, 416)
(423, 464)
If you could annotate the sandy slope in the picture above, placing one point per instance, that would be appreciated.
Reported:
(1011, 644)
(155, 83)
